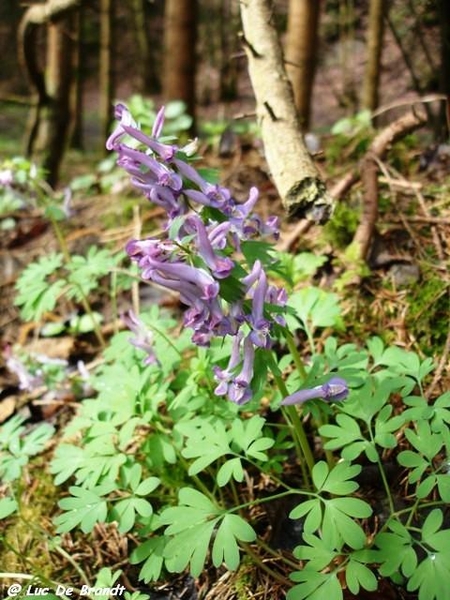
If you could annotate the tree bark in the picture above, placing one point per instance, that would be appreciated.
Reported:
(59, 78)
(53, 91)
(301, 53)
(76, 97)
(106, 66)
(443, 128)
(298, 182)
(374, 46)
(150, 82)
(180, 37)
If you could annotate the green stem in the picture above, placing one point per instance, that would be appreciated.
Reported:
(292, 417)
(383, 477)
(262, 565)
(295, 355)
(84, 300)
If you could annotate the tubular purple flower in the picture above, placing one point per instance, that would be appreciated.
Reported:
(206, 287)
(239, 390)
(164, 175)
(159, 122)
(144, 337)
(244, 210)
(218, 235)
(218, 197)
(220, 266)
(188, 172)
(123, 115)
(165, 151)
(335, 389)
(224, 376)
(253, 276)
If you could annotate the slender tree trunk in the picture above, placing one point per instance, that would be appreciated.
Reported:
(444, 83)
(76, 100)
(301, 53)
(147, 61)
(58, 82)
(228, 26)
(180, 36)
(106, 66)
(293, 171)
(375, 30)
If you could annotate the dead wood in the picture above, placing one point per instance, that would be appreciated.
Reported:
(293, 171)
(369, 173)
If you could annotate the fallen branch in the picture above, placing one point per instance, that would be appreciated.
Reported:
(293, 171)
(369, 174)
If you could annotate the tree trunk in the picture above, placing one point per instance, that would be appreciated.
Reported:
(301, 53)
(76, 99)
(50, 119)
(443, 129)
(150, 82)
(228, 27)
(106, 66)
(180, 36)
(56, 122)
(294, 173)
(375, 29)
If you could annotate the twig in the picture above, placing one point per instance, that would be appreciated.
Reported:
(369, 171)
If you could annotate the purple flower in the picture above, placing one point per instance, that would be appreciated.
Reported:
(6, 177)
(143, 337)
(237, 386)
(335, 389)
(158, 171)
(27, 381)
(220, 266)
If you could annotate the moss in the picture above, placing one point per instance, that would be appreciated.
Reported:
(339, 231)
(24, 540)
(428, 310)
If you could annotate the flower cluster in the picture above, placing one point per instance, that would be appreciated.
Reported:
(195, 256)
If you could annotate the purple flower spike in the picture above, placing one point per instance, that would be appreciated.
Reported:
(335, 389)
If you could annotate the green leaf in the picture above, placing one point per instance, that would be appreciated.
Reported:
(443, 484)
(338, 521)
(147, 486)
(7, 507)
(225, 548)
(231, 469)
(358, 575)
(396, 550)
(189, 546)
(319, 474)
(431, 577)
(432, 523)
(318, 554)
(315, 586)
(151, 551)
(84, 508)
(337, 481)
(316, 308)
(346, 431)
(37, 293)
